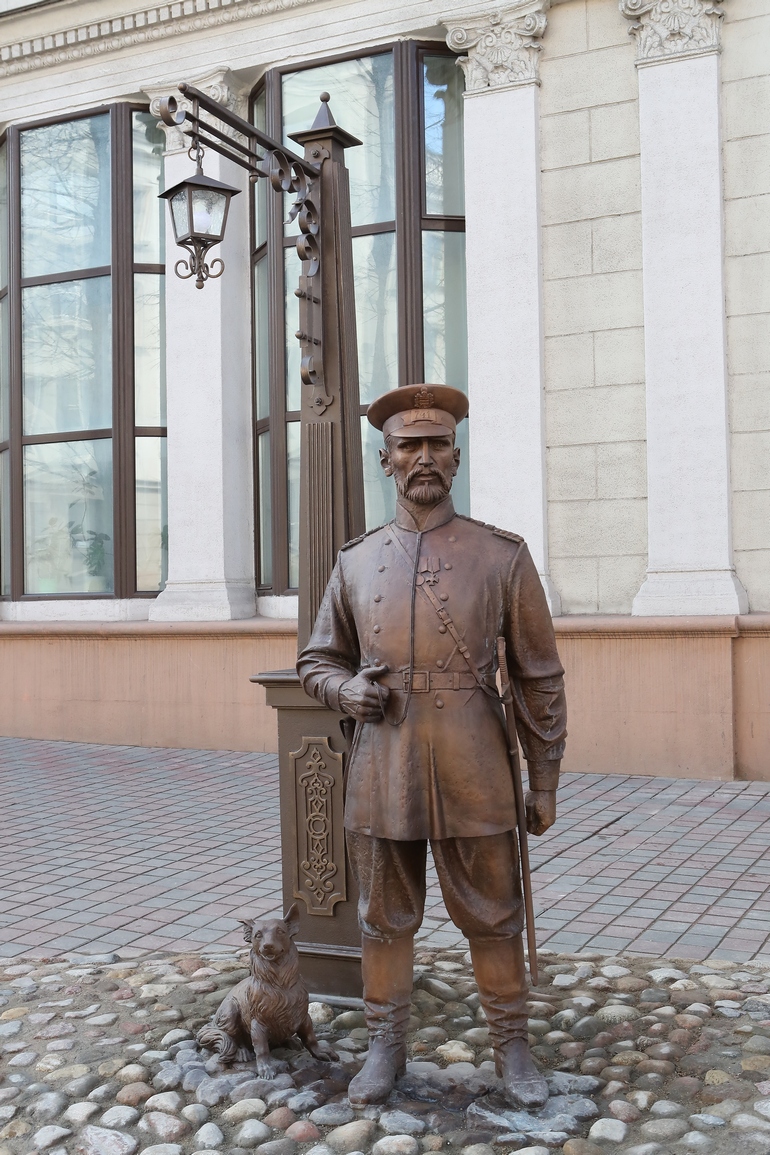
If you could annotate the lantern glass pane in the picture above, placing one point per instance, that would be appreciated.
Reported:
(180, 214)
(208, 206)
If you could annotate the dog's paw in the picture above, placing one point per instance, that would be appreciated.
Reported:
(244, 1055)
(266, 1069)
(326, 1053)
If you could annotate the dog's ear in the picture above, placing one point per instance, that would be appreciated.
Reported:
(291, 918)
(248, 928)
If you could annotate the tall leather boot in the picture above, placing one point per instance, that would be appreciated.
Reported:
(387, 973)
(499, 969)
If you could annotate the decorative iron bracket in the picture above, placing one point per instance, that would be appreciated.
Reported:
(261, 156)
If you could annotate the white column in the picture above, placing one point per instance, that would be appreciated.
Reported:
(505, 307)
(209, 408)
(690, 565)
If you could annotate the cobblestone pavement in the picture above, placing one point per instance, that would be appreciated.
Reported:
(106, 848)
(98, 1056)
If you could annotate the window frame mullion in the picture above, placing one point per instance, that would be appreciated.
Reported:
(411, 360)
(123, 465)
(15, 414)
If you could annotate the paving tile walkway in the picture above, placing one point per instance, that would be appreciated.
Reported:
(133, 849)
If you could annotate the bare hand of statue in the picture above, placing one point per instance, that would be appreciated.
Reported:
(361, 698)
(541, 810)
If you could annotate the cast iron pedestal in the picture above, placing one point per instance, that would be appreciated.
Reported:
(312, 749)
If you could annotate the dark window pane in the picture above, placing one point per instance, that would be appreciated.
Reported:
(150, 348)
(67, 356)
(65, 196)
(363, 104)
(262, 339)
(148, 142)
(444, 314)
(68, 517)
(151, 514)
(374, 265)
(5, 523)
(3, 216)
(443, 85)
(292, 455)
(265, 510)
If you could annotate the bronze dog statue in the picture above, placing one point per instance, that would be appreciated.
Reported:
(270, 1006)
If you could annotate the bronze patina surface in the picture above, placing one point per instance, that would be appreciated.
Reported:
(405, 642)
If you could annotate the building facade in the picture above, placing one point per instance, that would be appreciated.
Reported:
(563, 209)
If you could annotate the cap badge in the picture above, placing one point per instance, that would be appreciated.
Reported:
(424, 399)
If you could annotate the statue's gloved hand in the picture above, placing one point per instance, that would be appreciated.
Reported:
(361, 698)
(541, 810)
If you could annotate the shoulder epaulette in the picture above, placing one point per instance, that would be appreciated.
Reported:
(493, 528)
(361, 536)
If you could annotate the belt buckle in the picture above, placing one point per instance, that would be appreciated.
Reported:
(420, 681)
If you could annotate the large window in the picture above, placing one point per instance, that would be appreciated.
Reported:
(406, 186)
(82, 391)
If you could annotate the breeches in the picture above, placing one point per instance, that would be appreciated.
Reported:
(479, 880)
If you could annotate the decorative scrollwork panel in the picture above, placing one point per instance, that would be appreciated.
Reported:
(320, 874)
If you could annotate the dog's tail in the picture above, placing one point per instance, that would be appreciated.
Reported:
(220, 1042)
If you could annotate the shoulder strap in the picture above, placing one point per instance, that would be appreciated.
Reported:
(443, 614)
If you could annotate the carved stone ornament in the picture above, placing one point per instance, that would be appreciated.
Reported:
(320, 879)
(221, 85)
(666, 29)
(501, 47)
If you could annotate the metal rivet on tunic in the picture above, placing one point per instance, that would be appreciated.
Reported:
(440, 664)
(378, 597)
(453, 538)
(445, 597)
(439, 704)
(448, 565)
(376, 629)
(442, 629)
(380, 569)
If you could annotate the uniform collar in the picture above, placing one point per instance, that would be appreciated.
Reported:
(439, 515)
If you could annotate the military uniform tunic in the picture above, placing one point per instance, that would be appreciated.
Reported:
(442, 770)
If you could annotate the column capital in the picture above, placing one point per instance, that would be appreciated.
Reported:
(220, 84)
(501, 46)
(670, 29)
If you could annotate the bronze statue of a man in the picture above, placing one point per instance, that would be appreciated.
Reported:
(404, 642)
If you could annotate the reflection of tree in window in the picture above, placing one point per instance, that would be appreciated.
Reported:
(66, 196)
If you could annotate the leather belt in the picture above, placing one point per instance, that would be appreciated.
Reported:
(424, 681)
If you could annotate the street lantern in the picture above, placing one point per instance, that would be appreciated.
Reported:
(199, 207)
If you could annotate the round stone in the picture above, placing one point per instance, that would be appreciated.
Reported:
(133, 1073)
(251, 1133)
(168, 1101)
(195, 1113)
(664, 1130)
(399, 1145)
(167, 1128)
(209, 1136)
(47, 1136)
(100, 1141)
(332, 1115)
(614, 1013)
(608, 1131)
(303, 1131)
(119, 1117)
(245, 1109)
(133, 1094)
(401, 1123)
(351, 1137)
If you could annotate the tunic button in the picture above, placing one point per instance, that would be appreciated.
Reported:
(442, 629)
(378, 597)
(440, 664)
(453, 538)
(448, 565)
(445, 597)
(439, 704)
(376, 629)
(380, 569)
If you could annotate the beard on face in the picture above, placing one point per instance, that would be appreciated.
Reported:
(422, 489)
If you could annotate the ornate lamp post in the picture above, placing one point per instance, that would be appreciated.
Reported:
(312, 748)
(199, 207)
